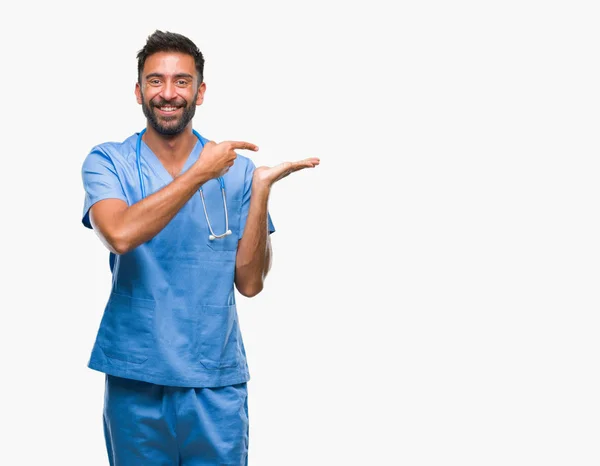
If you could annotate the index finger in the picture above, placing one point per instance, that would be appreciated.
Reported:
(243, 145)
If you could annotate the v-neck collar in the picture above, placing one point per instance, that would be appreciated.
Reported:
(152, 160)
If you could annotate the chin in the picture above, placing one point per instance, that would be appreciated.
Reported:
(168, 126)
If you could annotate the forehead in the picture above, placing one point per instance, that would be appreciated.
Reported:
(169, 63)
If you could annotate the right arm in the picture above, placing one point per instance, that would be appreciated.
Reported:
(122, 228)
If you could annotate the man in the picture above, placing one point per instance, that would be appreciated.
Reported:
(186, 222)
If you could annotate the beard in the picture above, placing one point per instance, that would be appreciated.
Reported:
(169, 126)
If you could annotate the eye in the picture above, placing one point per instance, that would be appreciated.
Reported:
(181, 83)
(154, 82)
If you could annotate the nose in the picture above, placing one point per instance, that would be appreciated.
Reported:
(169, 91)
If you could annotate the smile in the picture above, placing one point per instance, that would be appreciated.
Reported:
(168, 109)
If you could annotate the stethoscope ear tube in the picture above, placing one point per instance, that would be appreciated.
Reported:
(212, 235)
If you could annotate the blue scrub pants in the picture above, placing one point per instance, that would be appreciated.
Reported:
(151, 425)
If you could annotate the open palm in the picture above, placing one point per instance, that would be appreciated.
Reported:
(270, 175)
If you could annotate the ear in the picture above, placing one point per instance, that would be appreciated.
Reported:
(138, 93)
(201, 91)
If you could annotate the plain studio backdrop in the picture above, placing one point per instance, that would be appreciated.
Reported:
(434, 292)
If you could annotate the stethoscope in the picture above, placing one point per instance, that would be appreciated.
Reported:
(212, 235)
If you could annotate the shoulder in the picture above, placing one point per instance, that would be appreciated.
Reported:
(244, 162)
(117, 152)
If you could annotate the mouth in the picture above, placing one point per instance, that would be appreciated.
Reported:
(167, 110)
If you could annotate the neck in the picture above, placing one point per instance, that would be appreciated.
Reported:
(170, 148)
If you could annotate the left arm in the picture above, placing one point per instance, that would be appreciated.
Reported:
(253, 258)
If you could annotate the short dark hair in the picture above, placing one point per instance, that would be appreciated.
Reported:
(160, 41)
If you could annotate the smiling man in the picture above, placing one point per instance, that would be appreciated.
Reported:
(186, 222)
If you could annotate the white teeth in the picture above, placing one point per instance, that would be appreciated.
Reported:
(168, 109)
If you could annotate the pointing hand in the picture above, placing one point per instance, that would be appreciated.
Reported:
(217, 159)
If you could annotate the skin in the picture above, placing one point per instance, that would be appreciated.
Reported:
(171, 78)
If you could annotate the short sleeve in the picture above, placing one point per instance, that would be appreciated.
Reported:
(246, 200)
(100, 181)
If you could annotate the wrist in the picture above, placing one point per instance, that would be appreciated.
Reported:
(199, 174)
(260, 190)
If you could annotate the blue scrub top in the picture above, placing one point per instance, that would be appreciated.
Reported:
(171, 316)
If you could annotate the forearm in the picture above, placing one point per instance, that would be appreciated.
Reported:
(143, 220)
(253, 259)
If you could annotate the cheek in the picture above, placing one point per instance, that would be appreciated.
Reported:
(149, 95)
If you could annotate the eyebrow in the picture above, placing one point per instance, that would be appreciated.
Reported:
(178, 75)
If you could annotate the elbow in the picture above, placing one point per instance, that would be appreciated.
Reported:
(118, 244)
(250, 290)
(250, 279)
(120, 249)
